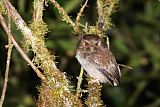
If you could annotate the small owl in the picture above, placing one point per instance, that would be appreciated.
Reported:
(97, 60)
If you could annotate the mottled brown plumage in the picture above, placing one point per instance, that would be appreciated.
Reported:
(97, 60)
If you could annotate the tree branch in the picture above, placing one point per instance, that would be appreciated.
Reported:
(39, 74)
(9, 46)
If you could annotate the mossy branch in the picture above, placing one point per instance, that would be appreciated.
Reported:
(65, 17)
(7, 30)
(94, 97)
(105, 10)
(26, 31)
(55, 90)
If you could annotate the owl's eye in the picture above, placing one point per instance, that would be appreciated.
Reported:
(86, 43)
(96, 44)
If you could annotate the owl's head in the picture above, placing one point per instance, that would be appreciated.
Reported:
(90, 41)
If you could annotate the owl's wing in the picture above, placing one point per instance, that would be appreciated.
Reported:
(109, 68)
(112, 73)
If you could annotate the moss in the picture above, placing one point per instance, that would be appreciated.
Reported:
(2, 8)
(39, 28)
(94, 90)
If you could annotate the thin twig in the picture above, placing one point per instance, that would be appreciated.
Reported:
(39, 74)
(6, 73)
(125, 66)
(80, 13)
(62, 11)
(38, 10)
(9, 46)
(107, 41)
(80, 78)
(65, 16)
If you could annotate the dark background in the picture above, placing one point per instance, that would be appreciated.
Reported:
(134, 39)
